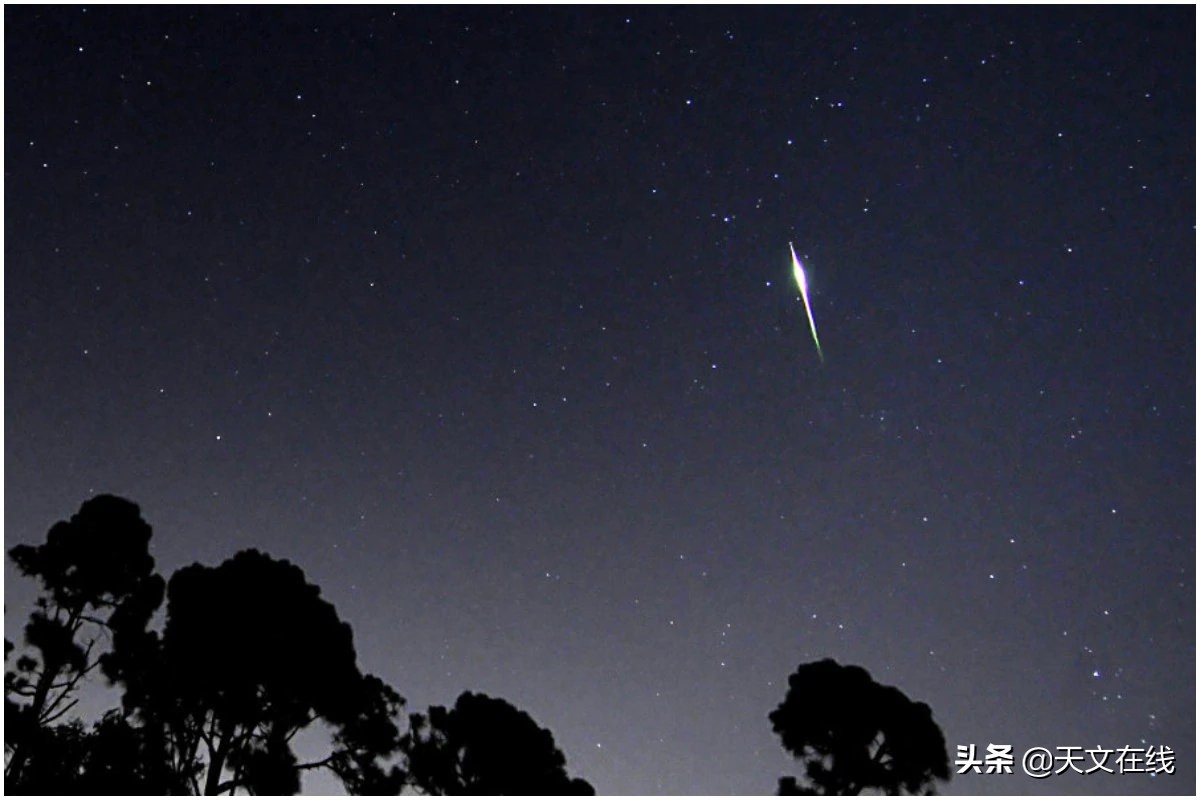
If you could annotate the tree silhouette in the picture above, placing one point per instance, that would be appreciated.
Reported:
(251, 654)
(853, 734)
(96, 574)
(248, 656)
(113, 758)
(485, 746)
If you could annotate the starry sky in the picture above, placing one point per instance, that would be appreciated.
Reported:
(485, 318)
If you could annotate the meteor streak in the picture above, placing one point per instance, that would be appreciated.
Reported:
(802, 282)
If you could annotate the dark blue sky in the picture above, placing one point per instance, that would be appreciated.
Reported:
(484, 318)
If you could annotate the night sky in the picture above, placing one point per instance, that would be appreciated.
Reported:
(485, 318)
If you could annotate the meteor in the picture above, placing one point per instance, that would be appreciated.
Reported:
(802, 282)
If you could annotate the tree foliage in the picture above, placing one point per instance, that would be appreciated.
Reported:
(485, 746)
(112, 758)
(95, 570)
(853, 734)
(250, 655)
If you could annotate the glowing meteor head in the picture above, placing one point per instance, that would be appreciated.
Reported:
(798, 271)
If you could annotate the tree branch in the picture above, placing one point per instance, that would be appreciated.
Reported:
(325, 762)
(299, 727)
(54, 717)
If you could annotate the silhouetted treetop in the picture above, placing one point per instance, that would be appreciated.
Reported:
(249, 655)
(95, 559)
(99, 585)
(485, 746)
(853, 734)
(252, 625)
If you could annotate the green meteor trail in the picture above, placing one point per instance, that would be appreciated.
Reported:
(802, 282)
